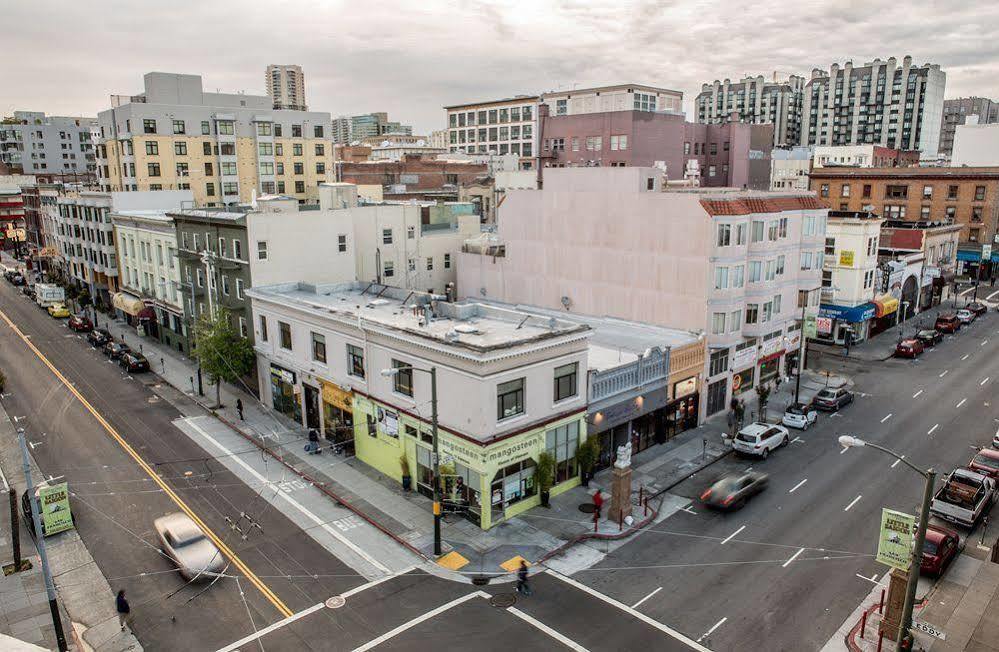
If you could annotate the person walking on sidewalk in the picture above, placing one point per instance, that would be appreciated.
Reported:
(239, 408)
(124, 610)
(598, 503)
(522, 586)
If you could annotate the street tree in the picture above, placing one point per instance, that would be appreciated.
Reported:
(223, 353)
(763, 394)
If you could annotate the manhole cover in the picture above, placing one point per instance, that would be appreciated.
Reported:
(335, 602)
(587, 508)
(503, 600)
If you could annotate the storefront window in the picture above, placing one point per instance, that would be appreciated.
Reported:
(339, 423)
(561, 443)
(283, 397)
(742, 381)
(513, 484)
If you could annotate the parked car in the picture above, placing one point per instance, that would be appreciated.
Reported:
(966, 316)
(947, 323)
(98, 337)
(939, 549)
(908, 348)
(186, 544)
(732, 491)
(964, 497)
(132, 361)
(58, 310)
(832, 399)
(760, 439)
(799, 415)
(986, 462)
(929, 337)
(80, 324)
(15, 277)
(28, 291)
(978, 308)
(114, 349)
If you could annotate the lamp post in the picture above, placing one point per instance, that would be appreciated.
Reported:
(917, 551)
(435, 462)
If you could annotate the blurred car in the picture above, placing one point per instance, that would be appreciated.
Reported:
(799, 415)
(966, 316)
(98, 337)
(978, 308)
(832, 399)
(908, 348)
(732, 491)
(114, 349)
(58, 310)
(186, 544)
(80, 324)
(995, 441)
(28, 291)
(15, 277)
(986, 462)
(947, 323)
(929, 337)
(939, 549)
(760, 439)
(132, 361)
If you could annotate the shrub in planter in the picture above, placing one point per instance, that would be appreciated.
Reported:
(407, 480)
(586, 457)
(545, 474)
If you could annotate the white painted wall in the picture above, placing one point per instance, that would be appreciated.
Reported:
(976, 145)
(302, 247)
(852, 236)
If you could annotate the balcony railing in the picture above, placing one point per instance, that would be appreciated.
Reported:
(644, 371)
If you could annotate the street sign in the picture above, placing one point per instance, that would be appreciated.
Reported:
(896, 540)
(987, 252)
(932, 630)
(56, 514)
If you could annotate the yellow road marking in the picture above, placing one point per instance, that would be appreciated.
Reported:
(512, 564)
(263, 588)
(453, 560)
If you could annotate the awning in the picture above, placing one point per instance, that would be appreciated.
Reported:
(336, 395)
(147, 314)
(128, 304)
(852, 314)
(885, 305)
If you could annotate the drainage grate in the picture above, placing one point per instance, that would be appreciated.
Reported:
(503, 600)
(587, 508)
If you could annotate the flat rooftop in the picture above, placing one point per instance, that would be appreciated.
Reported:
(156, 215)
(475, 327)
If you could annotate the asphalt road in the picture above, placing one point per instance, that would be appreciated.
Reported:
(782, 573)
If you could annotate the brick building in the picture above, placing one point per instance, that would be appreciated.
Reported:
(965, 196)
(413, 177)
(11, 217)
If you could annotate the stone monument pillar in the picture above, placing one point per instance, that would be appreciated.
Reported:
(621, 484)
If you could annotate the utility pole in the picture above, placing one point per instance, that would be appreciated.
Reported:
(437, 463)
(40, 541)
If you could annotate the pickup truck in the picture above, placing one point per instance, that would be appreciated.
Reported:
(964, 497)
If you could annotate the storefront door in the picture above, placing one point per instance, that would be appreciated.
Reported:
(681, 415)
(311, 406)
(716, 395)
(283, 397)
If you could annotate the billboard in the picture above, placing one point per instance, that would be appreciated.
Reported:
(896, 539)
(56, 514)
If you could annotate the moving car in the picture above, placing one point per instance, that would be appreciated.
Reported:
(978, 308)
(964, 497)
(58, 310)
(929, 337)
(760, 439)
(947, 323)
(14, 277)
(908, 348)
(939, 549)
(132, 361)
(799, 415)
(986, 462)
(732, 491)
(98, 337)
(832, 399)
(114, 349)
(80, 324)
(966, 316)
(186, 544)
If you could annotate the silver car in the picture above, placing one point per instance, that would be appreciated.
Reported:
(760, 439)
(186, 544)
(800, 416)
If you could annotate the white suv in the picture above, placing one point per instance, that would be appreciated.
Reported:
(759, 439)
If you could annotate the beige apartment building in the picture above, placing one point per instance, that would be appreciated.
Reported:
(286, 86)
(225, 148)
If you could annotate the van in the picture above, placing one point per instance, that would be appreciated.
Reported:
(948, 323)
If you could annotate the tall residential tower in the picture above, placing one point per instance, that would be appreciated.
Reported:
(286, 87)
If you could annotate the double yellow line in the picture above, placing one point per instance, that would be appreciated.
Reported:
(250, 575)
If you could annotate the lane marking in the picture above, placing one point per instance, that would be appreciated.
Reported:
(966, 356)
(886, 418)
(845, 448)
(687, 509)
(569, 643)
(984, 381)
(795, 487)
(852, 503)
(219, 543)
(944, 373)
(872, 579)
(984, 342)
(270, 628)
(917, 394)
(895, 463)
(729, 537)
(392, 633)
(962, 402)
(637, 614)
(294, 503)
(635, 606)
(930, 431)
(793, 557)
(716, 626)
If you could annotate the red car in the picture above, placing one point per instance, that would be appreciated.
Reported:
(986, 462)
(80, 324)
(948, 323)
(939, 549)
(909, 348)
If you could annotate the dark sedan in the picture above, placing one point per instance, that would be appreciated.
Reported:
(98, 338)
(133, 362)
(80, 324)
(978, 308)
(939, 549)
(832, 399)
(732, 491)
(929, 337)
(114, 350)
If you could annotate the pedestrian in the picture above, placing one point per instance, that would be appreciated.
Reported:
(313, 445)
(522, 586)
(124, 611)
(239, 408)
(598, 502)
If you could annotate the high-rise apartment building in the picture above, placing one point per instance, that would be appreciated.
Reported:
(34, 143)
(223, 147)
(286, 87)
(347, 129)
(956, 112)
(755, 100)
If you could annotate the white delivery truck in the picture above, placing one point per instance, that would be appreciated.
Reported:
(48, 294)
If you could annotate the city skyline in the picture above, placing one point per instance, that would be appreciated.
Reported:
(363, 65)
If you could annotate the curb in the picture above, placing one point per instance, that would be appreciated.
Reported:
(852, 634)
(692, 473)
(634, 529)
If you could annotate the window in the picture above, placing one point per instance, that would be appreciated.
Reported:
(182, 170)
(285, 335)
(718, 323)
(824, 190)
(752, 313)
(776, 302)
(318, 132)
(951, 192)
(719, 362)
(210, 189)
(845, 190)
(737, 276)
(237, 249)
(979, 193)
(867, 190)
(721, 278)
(239, 288)
(261, 249)
(402, 380)
(225, 285)
(616, 143)
(265, 149)
(263, 328)
(447, 261)
(740, 234)
(319, 348)
(206, 128)
(755, 268)
(154, 169)
(772, 230)
(299, 187)
(976, 213)
(711, 170)
(388, 269)
(206, 149)
(724, 235)
(149, 126)
(509, 399)
(782, 227)
(735, 321)
(341, 243)
(780, 265)
(386, 236)
(263, 129)
(830, 246)
(355, 361)
(757, 235)
(565, 381)
(686, 149)
(152, 148)
(896, 192)
(178, 127)
(296, 149)
(561, 443)
(320, 150)
(227, 128)
(927, 192)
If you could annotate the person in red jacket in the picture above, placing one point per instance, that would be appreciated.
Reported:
(598, 502)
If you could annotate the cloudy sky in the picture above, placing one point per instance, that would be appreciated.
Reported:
(411, 58)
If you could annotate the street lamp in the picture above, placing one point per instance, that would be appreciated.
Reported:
(846, 441)
(435, 463)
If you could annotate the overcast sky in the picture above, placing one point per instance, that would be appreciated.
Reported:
(411, 58)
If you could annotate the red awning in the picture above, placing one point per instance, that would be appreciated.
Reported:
(147, 314)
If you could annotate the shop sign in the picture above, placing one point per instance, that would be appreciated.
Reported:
(515, 452)
(744, 358)
(896, 539)
(283, 374)
(811, 325)
(792, 340)
(743, 380)
(56, 514)
(986, 252)
(823, 325)
(685, 387)
(389, 421)
(846, 258)
(772, 346)
(471, 457)
(338, 396)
